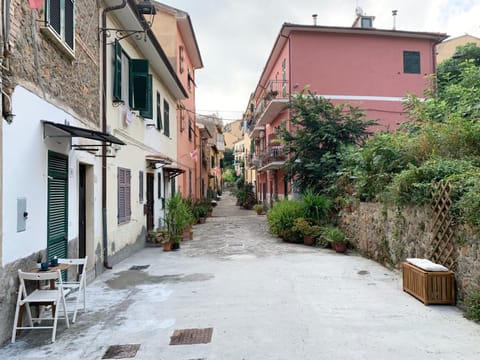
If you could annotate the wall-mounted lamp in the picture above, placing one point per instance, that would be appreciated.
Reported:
(146, 13)
(118, 102)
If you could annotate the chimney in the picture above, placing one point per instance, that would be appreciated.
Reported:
(314, 16)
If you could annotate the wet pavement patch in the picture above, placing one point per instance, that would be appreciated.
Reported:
(139, 267)
(131, 278)
(191, 336)
(121, 351)
(363, 272)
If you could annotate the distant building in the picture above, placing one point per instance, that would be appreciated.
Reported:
(447, 48)
(370, 68)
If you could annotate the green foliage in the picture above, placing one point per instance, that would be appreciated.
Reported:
(281, 218)
(228, 158)
(414, 185)
(333, 235)
(229, 176)
(321, 129)
(245, 195)
(305, 228)
(472, 303)
(316, 207)
(179, 216)
(466, 196)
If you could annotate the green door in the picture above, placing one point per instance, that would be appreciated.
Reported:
(57, 212)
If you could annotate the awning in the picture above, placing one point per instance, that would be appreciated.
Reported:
(172, 171)
(153, 160)
(51, 130)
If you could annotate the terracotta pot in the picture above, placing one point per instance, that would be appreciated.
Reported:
(340, 247)
(167, 246)
(308, 240)
(259, 212)
(201, 220)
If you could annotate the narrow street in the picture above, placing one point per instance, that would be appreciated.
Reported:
(262, 298)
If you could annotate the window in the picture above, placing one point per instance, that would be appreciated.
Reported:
(159, 112)
(284, 77)
(123, 181)
(411, 62)
(166, 118)
(140, 187)
(366, 22)
(60, 22)
(181, 58)
(190, 129)
(132, 83)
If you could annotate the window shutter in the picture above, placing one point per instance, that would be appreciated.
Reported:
(166, 118)
(148, 112)
(69, 23)
(117, 71)
(124, 210)
(159, 112)
(138, 84)
(411, 62)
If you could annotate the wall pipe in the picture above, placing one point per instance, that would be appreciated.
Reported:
(104, 129)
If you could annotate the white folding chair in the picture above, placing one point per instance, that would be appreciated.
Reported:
(79, 286)
(39, 297)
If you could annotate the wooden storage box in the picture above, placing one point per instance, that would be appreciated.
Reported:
(430, 287)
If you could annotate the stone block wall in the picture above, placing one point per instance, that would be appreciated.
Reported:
(390, 235)
(38, 64)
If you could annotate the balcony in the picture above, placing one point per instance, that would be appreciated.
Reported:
(274, 158)
(254, 161)
(275, 100)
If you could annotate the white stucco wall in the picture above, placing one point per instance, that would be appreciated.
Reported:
(25, 156)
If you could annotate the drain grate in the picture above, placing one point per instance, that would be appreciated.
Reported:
(121, 351)
(191, 336)
(139, 267)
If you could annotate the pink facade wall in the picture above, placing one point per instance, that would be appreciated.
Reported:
(188, 181)
(370, 67)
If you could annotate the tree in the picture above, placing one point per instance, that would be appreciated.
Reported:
(449, 71)
(319, 131)
(228, 158)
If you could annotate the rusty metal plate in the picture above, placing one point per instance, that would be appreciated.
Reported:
(191, 336)
(121, 351)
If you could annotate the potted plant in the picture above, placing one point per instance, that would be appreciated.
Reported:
(178, 216)
(259, 208)
(308, 231)
(336, 238)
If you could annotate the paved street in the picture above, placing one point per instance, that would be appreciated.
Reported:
(264, 299)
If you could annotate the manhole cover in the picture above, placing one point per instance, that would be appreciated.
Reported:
(191, 336)
(139, 267)
(121, 351)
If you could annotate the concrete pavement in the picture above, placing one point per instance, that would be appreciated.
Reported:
(264, 299)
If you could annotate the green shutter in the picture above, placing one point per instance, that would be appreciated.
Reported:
(138, 84)
(166, 118)
(57, 207)
(148, 113)
(159, 113)
(117, 71)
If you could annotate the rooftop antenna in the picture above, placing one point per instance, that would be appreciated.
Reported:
(359, 11)
(314, 16)
(394, 14)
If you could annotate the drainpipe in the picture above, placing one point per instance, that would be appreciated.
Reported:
(104, 129)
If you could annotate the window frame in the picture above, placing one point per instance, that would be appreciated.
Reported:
(63, 32)
(159, 123)
(408, 58)
(166, 118)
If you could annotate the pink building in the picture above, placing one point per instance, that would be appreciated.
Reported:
(174, 30)
(370, 68)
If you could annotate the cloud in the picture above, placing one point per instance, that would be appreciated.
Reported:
(236, 37)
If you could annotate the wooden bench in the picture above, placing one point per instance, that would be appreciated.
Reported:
(430, 287)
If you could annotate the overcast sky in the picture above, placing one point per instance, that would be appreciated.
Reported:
(236, 37)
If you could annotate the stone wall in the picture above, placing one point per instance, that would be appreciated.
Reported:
(37, 63)
(390, 235)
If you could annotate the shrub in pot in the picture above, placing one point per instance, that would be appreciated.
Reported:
(308, 231)
(280, 219)
(336, 237)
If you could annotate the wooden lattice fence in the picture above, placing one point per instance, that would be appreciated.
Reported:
(443, 227)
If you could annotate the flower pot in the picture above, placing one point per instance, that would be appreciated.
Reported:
(187, 234)
(175, 246)
(308, 240)
(201, 220)
(340, 247)
(167, 246)
(259, 212)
